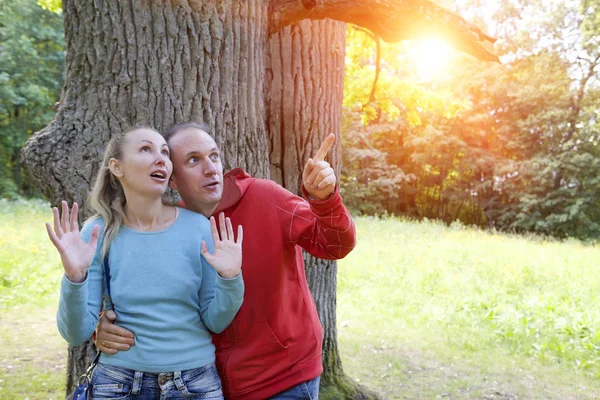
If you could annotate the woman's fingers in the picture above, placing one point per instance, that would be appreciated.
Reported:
(240, 236)
(229, 230)
(52, 235)
(64, 221)
(74, 215)
(95, 236)
(222, 226)
(57, 228)
(213, 229)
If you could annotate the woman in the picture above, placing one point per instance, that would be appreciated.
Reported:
(161, 287)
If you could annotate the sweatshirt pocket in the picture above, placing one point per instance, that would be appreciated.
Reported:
(258, 357)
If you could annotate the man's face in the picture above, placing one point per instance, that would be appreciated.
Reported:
(197, 170)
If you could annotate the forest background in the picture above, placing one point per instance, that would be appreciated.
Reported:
(428, 132)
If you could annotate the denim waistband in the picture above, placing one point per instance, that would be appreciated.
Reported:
(162, 380)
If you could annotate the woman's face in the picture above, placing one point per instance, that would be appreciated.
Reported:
(145, 167)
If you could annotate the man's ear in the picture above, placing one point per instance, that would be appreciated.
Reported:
(115, 167)
(173, 182)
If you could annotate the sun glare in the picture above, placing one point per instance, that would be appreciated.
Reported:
(431, 57)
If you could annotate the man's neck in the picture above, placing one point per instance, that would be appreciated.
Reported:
(206, 210)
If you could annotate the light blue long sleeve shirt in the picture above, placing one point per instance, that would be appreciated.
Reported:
(162, 290)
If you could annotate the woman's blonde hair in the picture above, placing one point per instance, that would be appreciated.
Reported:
(107, 198)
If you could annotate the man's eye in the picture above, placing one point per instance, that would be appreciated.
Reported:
(192, 160)
(214, 156)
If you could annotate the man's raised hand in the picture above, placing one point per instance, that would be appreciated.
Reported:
(318, 177)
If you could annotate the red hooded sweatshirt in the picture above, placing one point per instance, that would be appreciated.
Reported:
(275, 340)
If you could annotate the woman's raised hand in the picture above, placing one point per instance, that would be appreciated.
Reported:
(227, 257)
(76, 255)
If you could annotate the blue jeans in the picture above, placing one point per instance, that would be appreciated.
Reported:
(308, 390)
(109, 382)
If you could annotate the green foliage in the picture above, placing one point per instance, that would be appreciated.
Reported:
(518, 152)
(31, 77)
(54, 6)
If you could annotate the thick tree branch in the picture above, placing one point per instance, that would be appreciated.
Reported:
(392, 20)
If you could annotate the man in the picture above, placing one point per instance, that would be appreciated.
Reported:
(272, 349)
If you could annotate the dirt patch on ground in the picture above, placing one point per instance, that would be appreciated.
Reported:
(404, 373)
(31, 352)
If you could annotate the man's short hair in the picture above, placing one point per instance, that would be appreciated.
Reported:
(172, 131)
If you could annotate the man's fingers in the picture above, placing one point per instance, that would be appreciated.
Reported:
(308, 167)
(115, 342)
(324, 149)
(318, 169)
(326, 181)
(109, 315)
(107, 327)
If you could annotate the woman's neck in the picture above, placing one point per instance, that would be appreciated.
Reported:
(148, 215)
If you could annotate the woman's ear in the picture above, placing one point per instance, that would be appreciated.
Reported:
(115, 167)
(173, 182)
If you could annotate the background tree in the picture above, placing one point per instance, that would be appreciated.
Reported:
(513, 146)
(31, 77)
(158, 63)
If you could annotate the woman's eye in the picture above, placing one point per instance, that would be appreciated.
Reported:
(165, 152)
(145, 148)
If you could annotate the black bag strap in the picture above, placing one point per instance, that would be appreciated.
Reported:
(107, 300)
(86, 377)
(107, 272)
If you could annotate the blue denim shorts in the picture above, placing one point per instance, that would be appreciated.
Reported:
(109, 382)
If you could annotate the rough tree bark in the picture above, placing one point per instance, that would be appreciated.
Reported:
(145, 62)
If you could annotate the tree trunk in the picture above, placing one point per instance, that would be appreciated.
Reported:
(152, 63)
(304, 90)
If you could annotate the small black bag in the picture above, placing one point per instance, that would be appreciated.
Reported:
(84, 387)
(83, 390)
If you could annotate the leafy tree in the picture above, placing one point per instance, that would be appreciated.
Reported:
(31, 77)
(517, 149)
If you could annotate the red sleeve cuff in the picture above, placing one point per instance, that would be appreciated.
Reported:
(323, 207)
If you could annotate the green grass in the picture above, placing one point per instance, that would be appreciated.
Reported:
(425, 311)
(32, 353)
(463, 305)
(30, 268)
